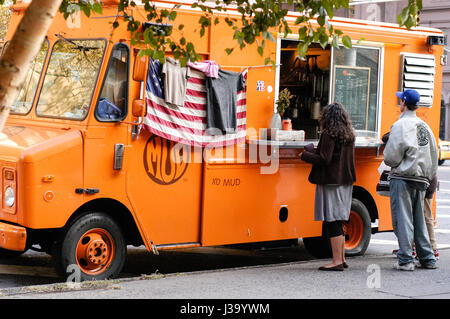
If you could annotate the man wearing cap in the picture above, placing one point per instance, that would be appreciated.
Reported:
(411, 152)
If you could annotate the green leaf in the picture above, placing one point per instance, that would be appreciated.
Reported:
(419, 4)
(159, 55)
(260, 51)
(86, 11)
(271, 37)
(172, 16)
(321, 20)
(302, 33)
(183, 61)
(323, 39)
(97, 7)
(403, 16)
(335, 41)
(328, 7)
(346, 41)
(302, 48)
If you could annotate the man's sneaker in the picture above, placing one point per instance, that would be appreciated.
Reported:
(427, 266)
(407, 267)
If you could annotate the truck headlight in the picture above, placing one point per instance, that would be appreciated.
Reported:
(10, 196)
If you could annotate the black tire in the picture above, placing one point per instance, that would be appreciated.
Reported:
(440, 162)
(88, 230)
(320, 247)
(359, 244)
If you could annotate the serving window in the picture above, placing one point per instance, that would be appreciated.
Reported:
(356, 85)
(347, 76)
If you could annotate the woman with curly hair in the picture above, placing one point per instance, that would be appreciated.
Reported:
(333, 172)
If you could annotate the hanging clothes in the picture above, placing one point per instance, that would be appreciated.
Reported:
(187, 124)
(175, 79)
(209, 68)
(155, 84)
(221, 95)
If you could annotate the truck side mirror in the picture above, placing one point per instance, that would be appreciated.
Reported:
(140, 66)
(139, 108)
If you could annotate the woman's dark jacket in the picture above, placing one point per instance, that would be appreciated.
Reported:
(333, 163)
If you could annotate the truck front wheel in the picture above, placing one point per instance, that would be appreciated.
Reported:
(93, 248)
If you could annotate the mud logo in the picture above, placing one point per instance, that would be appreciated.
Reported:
(161, 161)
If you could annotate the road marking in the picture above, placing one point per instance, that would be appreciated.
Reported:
(28, 271)
(384, 242)
(395, 243)
(442, 231)
(442, 216)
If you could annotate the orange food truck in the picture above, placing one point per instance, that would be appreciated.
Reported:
(86, 173)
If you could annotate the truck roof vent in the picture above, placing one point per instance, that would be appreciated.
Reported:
(417, 72)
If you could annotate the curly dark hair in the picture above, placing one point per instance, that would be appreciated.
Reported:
(335, 121)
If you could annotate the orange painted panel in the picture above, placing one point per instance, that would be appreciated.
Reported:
(165, 195)
(243, 205)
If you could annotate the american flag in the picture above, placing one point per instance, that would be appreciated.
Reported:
(187, 124)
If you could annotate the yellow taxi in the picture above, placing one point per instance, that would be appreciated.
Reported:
(444, 151)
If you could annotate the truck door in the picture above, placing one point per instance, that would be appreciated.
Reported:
(165, 193)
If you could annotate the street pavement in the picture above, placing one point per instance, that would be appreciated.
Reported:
(368, 277)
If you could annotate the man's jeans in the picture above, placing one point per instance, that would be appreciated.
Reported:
(409, 223)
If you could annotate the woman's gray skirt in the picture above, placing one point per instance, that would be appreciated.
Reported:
(332, 202)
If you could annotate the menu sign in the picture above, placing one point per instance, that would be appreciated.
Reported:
(351, 89)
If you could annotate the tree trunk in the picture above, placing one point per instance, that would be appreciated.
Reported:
(22, 49)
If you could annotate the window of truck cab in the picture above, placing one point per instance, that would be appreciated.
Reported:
(113, 99)
(349, 76)
(24, 101)
(70, 78)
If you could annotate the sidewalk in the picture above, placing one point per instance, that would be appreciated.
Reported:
(368, 277)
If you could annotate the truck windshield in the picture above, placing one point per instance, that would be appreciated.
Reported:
(70, 78)
(24, 100)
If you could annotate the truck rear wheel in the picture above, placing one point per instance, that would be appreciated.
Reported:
(93, 248)
(357, 232)
(357, 229)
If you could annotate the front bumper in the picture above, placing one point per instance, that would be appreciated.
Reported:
(12, 237)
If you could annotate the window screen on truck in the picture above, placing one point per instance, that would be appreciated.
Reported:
(70, 78)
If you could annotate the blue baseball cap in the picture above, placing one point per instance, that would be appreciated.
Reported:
(411, 97)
